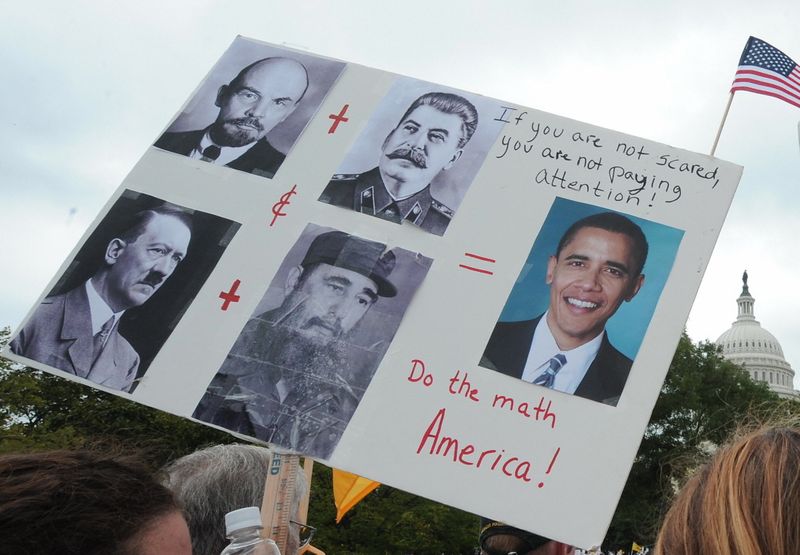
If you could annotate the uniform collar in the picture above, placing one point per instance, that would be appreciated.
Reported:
(413, 208)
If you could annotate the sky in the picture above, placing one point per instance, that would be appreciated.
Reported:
(89, 85)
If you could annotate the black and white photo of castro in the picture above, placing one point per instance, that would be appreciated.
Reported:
(299, 368)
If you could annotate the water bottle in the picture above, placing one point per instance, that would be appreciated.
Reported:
(243, 528)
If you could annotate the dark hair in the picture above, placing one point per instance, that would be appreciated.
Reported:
(615, 223)
(77, 502)
(308, 269)
(240, 76)
(138, 222)
(449, 104)
(498, 537)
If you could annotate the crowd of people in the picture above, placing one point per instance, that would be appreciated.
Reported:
(744, 501)
(91, 503)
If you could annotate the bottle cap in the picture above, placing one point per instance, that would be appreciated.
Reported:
(242, 518)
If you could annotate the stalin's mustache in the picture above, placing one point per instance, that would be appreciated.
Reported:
(413, 155)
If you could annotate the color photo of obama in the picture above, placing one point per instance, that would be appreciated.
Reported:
(125, 291)
(416, 157)
(579, 310)
(299, 368)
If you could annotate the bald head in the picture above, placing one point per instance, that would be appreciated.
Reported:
(259, 98)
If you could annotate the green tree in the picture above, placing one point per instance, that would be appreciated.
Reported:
(703, 399)
(42, 411)
(389, 520)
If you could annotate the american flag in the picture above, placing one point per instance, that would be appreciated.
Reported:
(763, 69)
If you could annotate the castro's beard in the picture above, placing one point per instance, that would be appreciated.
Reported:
(297, 352)
(298, 349)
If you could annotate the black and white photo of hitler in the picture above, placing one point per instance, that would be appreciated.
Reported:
(125, 291)
(252, 107)
(417, 155)
(299, 368)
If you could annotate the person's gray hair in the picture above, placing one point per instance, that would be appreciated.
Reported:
(214, 481)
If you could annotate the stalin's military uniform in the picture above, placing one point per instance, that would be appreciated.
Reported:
(366, 193)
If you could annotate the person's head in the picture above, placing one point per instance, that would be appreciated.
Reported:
(339, 279)
(429, 138)
(141, 258)
(597, 265)
(745, 501)
(214, 481)
(80, 502)
(497, 538)
(260, 97)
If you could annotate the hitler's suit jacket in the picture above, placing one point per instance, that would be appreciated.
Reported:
(261, 159)
(510, 343)
(59, 334)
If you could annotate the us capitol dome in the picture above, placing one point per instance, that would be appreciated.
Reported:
(755, 349)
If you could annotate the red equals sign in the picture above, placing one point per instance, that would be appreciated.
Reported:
(482, 259)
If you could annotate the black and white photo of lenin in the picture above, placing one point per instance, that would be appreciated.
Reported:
(125, 290)
(299, 368)
(416, 157)
(251, 108)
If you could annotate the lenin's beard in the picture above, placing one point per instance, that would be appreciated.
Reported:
(236, 132)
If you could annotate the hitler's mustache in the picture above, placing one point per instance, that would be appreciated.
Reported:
(414, 156)
(153, 279)
(250, 122)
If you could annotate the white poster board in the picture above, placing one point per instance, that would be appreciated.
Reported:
(411, 360)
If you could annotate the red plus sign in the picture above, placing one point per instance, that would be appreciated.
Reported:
(230, 296)
(337, 119)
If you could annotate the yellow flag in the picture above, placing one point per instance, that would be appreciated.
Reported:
(348, 490)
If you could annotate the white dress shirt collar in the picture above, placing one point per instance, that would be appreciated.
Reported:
(99, 310)
(544, 347)
(227, 154)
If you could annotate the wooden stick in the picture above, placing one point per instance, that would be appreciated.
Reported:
(308, 469)
(722, 124)
(278, 493)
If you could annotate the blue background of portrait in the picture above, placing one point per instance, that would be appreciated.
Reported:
(530, 295)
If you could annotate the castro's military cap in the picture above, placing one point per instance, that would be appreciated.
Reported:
(354, 253)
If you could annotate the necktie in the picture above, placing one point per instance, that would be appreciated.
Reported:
(211, 153)
(548, 377)
(100, 338)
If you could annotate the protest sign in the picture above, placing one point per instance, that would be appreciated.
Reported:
(384, 273)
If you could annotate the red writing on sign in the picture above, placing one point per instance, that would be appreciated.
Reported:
(230, 296)
(435, 442)
(539, 412)
(418, 373)
(460, 386)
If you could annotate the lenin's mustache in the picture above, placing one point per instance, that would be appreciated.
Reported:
(250, 122)
(413, 155)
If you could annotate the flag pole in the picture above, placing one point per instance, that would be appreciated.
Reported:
(722, 124)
